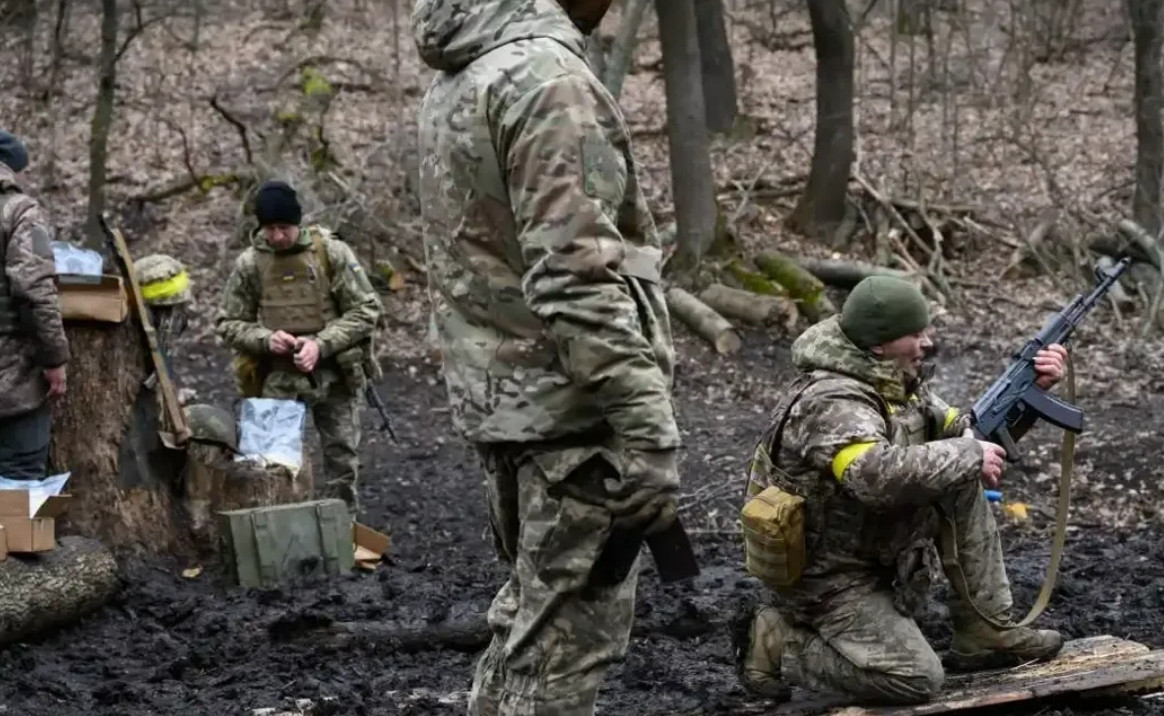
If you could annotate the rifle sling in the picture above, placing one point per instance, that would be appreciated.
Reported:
(949, 544)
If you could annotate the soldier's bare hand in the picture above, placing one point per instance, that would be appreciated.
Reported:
(57, 381)
(1050, 365)
(281, 343)
(993, 458)
(306, 354)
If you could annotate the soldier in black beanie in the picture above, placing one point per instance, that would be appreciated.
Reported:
(298, 312)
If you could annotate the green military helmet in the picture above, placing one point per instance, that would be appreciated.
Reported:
(212, 424)
(163, 280)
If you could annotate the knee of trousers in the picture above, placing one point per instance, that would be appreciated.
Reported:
(921, 684)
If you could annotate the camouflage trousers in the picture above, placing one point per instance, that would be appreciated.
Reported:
(846, 635)
(555, 630)
(335, 410)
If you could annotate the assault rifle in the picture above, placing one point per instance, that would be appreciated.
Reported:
(1014, 397)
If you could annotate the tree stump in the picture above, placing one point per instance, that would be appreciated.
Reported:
(104, 432)
(47, 590)
(129, 490)
(215, 481)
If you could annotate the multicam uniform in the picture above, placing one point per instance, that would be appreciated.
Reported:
(544, 267)
(877, 462)
(315, 289)
(32, 336)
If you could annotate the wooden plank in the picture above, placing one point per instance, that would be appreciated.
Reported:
(1103, 665)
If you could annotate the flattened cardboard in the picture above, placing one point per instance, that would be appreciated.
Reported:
(15, 503)
(23, 534)
(92, 298)
(370, 539)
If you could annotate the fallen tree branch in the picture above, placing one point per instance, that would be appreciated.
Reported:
(238, 125)
(467, 637)
(848, 273)
(703, 320)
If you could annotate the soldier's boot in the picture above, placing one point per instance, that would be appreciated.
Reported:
(977, 646)
(758, 639)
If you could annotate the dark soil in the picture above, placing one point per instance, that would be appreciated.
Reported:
(171, 645)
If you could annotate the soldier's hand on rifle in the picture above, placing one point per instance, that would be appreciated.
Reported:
(281, 343)
(1050, 364)
(993, 458)
(306, 354)
(57, 380)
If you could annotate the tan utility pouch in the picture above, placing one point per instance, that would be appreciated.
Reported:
(773, 524)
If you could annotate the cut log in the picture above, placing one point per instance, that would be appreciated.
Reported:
(807, 290)
(214, 481)
(48, 590)
(755, 282)
(747, 306)
(846, 273)
(704, 321)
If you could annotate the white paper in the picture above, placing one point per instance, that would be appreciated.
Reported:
(38, 490)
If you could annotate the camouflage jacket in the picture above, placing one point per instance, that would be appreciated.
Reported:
(542, 254)
(871, 456)
(29, 272)
(357, 305)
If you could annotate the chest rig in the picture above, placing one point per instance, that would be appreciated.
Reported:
(295, 289)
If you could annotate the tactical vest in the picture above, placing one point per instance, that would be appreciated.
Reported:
(10, 319)
(295, 289)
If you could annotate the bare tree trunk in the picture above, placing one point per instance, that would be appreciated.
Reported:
(21, 14)
(715, 56)
(692, 184)
(821, 208)
(102, 119)
(1147, 17)
(623, 49)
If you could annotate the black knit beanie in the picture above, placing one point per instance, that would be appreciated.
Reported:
(276, 203)
(13, 152)
(881, 309)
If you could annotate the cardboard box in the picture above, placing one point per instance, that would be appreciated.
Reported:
(25, 530)
(92, 298)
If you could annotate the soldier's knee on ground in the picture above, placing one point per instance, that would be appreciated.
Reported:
(920, 685)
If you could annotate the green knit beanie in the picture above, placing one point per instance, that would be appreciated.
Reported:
(881, 309)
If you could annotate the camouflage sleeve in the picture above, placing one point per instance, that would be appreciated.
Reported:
(840, 430)
(30, 269)
(237, 323)
(566, 182)
(359, 305)
(944, 420)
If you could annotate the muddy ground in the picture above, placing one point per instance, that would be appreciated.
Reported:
(170, 645)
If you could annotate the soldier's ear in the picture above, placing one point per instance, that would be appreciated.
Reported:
(877, 351)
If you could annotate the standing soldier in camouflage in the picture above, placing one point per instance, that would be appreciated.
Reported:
(299, 314)
(544, 275)
(33, 348)
(875, 460)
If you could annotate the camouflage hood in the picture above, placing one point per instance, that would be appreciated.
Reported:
(824, 346)
(450, 34)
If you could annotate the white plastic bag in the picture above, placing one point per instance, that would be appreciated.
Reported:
(76, 260)
(270, 432)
